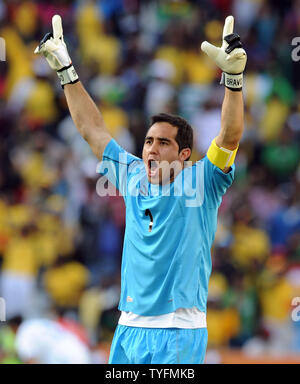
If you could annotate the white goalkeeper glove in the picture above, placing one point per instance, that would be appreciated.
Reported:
(54, 49)
(230, 58)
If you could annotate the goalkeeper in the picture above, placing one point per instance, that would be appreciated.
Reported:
(166, 260)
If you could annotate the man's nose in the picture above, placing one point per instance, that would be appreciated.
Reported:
(154, 147)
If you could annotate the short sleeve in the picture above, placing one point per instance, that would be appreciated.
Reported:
(116, 165)
(216, 182)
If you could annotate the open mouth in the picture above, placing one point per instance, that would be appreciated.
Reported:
(152, 164)
(152, 167)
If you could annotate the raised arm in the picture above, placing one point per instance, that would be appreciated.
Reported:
(87, 118)
(84, 112)
(231, 58)
(232, 120)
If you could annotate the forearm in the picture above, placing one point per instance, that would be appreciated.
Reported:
(232, 120)
(87, 118)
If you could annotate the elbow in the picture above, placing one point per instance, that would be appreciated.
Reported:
(84, 135)
(230, 143)
(83, 132)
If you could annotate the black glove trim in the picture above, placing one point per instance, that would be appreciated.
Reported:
(234, 41)
(67, 75)
(64, 68)
(72, 82)
(48, 36)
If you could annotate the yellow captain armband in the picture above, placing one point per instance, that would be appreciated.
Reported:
(221, 157)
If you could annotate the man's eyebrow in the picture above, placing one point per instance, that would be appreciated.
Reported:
(159, 138)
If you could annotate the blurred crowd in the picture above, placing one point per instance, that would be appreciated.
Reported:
(61, 244)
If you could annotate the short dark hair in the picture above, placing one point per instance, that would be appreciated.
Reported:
(184, 137)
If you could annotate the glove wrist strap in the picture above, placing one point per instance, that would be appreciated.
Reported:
(233, 82)
(67, 75)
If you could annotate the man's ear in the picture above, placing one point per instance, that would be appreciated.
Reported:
(185, 154)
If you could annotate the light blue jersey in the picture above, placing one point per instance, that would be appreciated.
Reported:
(166, 265)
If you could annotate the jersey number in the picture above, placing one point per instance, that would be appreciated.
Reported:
(148, 213)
